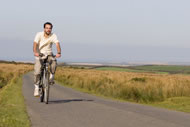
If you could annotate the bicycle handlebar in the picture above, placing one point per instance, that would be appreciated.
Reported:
(41, 55)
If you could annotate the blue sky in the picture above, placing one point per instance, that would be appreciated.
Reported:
(99, 30)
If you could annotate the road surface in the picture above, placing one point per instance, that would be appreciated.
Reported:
(71, 108)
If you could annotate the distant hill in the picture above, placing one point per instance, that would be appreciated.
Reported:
(15, 62)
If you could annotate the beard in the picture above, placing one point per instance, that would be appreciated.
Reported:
(48, 33)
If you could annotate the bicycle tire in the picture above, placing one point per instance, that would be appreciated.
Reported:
(46, 87)
(41, 91)
(41, 94)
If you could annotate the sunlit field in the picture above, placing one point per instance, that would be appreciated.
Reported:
(10, 72)
(147, 88)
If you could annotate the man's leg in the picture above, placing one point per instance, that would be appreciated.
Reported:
(37, 71)
(53, 66)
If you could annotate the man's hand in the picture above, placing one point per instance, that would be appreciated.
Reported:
(36, 54)
(58, 55)
(58, 50)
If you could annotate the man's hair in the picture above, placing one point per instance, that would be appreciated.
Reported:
(48, 23)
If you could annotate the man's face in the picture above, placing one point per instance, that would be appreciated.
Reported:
(48, 29)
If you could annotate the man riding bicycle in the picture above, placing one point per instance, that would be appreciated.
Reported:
(43, 44)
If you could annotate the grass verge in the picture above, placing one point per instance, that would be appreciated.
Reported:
(12, 108)
(175, 103)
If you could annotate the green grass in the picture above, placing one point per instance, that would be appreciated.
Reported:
(159, 69)
(175, 103)
(12, 108)
(118, 69)
(172, 69)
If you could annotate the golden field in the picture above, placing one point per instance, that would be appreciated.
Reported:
(9, 72)
(131, 86)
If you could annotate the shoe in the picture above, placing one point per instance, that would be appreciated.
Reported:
(36, 91)
(51, 82)
(51, 79)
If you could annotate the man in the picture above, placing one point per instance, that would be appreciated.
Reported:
(43, 44)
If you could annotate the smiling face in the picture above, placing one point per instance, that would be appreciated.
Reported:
(47, 29)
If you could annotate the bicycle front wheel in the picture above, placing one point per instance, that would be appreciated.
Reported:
(41, 94)
(46, 87)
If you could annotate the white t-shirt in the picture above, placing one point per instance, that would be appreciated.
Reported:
(41, 40)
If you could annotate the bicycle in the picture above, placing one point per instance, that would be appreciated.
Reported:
(44, 86)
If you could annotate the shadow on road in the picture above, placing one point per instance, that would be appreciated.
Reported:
(67, 100)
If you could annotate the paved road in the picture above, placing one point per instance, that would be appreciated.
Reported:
(70, 108)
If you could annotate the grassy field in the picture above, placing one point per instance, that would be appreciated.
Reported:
(161, 69)
(12, 108)
(150, 85)
(162, 90)
(172, 69)
(130, 69)
(118, 69)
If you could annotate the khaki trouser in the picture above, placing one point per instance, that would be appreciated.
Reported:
(38, 65)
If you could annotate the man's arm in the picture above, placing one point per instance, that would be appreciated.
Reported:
(58, 50)
(34, 49)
